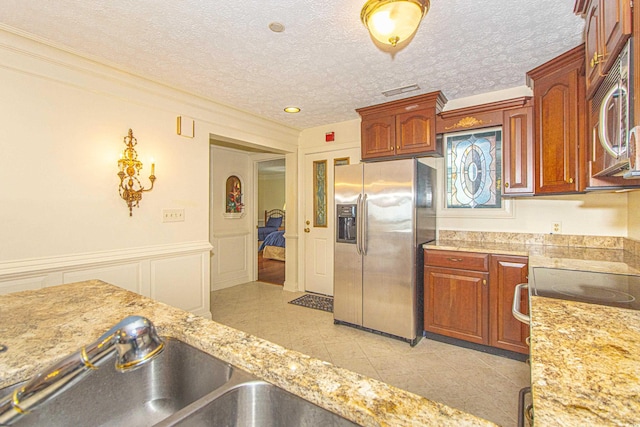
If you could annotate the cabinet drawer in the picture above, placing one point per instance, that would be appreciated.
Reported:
(452, 259)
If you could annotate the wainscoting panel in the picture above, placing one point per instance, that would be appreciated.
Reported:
(230, 261)
(27, 283)
(127, 276)
(177, 281)
(176, 274)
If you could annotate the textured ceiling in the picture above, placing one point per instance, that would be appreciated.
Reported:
(324, 62)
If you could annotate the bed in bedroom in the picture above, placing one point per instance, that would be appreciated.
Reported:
(272, 235)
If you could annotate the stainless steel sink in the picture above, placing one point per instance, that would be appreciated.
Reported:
(258, 403)
(180, 375)
(182, 386)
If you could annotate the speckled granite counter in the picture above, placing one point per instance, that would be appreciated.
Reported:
(42, 326)
(593, 253)
(585, 358)
(585, 364)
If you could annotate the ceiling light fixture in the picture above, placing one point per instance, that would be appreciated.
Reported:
(393, 21)
(292, 110)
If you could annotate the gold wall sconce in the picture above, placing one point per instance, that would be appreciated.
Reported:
(130, 188)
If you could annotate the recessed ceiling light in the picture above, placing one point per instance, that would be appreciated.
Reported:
(292, 109)
(276, 27)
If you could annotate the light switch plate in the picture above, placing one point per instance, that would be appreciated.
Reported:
(172, 215)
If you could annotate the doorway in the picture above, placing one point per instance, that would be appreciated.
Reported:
(319, 215)
(271, 214)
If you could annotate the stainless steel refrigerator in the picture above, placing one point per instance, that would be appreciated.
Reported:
(384, 212)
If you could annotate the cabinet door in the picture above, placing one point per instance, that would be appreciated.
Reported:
(378, 136)
(415, 132)
(557, 122)
(507, 332)
(517, 151)
(615, 27)
(592, 44)
(456, 303)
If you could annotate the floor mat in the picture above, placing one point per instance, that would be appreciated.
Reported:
(318, 302)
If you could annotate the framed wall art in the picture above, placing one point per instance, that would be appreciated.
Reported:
(234, 206)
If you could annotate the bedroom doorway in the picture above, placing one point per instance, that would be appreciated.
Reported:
(271, 221)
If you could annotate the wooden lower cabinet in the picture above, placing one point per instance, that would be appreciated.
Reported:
(505, 331)
(456, 304)
(473, 303)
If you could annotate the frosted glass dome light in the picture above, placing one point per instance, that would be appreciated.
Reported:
(393, 21)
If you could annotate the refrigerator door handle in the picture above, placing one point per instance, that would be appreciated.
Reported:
(358, 225)
(363, 233)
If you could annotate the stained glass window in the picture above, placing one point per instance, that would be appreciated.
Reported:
(474, 169)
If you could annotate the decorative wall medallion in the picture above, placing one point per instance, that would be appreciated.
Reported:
(467, 122)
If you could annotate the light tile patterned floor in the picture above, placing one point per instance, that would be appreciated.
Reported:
(475, 382)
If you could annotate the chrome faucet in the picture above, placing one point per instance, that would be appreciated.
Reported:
(134, 338)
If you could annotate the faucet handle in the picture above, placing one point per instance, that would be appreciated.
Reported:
(136, 341)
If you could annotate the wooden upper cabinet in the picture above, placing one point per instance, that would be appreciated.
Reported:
(403, 128)
(516, 118)
(517, 151)
(415, 132)
(378, 136)
(559, 122)
(607, 28)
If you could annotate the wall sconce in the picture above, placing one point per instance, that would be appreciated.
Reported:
(130, 188)
(393, 21)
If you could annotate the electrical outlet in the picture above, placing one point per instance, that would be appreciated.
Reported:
(172, 215)
(556, 227)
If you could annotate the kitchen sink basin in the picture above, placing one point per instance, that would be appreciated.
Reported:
(182, 386)
(258, 403)
(179, 376)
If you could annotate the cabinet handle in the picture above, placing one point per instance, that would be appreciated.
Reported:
(570, 180)
(596, 59)
(455, 259)
(506, 184)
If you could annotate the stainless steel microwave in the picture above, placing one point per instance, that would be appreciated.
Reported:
(614, 103)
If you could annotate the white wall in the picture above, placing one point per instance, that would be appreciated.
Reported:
(64, 119)
(633, 215)
(271, 194)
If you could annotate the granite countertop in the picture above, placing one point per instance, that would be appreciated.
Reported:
(585, 358)
(41, 326)
(607, 260)
(585, 364)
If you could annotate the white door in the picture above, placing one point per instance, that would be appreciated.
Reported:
(319, 221)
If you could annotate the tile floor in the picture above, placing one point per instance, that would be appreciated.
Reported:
(475, 382)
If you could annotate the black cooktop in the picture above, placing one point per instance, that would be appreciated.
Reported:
(616, 290)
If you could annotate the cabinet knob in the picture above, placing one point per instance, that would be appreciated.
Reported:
(397, 147)
(506, 184)
(306, 230)
(307, 222)
(484, 282)
(570, 180)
